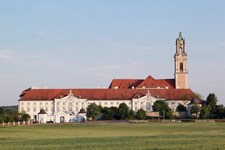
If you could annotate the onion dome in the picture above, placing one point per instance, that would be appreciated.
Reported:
(42, 111)
(82, 111)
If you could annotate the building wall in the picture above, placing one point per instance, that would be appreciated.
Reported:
(181, 81)
(70, 106)
(174, 103)
(33, 107)
(110, 103)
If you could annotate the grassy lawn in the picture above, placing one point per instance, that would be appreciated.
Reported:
(115, 136)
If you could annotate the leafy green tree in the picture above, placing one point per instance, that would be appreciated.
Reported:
(1, 119)
(2, 114)
(122, 112)
(93, 111)
(15, 115)
(161, 107)
(8, 118)
(107, 113)
(204, 112)
(2, 111)
(25, 117)
(224, 113)
(114, 112)
(8, 114)
(181, 107)
(211, 101)
(131, 114)
(219, 111)
(141, 114)
(195, 110)
(169, 115)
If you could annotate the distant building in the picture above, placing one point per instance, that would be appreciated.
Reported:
(69, 105)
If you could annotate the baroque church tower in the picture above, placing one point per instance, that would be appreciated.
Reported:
(180, 62)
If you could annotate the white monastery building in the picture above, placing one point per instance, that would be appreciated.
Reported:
(69, 105)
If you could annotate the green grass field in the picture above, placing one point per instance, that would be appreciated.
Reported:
(115, 136)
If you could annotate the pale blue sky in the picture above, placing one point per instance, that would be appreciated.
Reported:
(87, 43)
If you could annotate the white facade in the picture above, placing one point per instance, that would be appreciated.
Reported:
(66, 109)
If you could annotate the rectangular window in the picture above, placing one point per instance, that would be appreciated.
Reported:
(70, 108)
(34, 109)
(136, 109)
(34, 103)
(76, 103)
(40, 103)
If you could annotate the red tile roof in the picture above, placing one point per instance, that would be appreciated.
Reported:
(124, 83)
(119, 89)
(107, 94)
(148, 82)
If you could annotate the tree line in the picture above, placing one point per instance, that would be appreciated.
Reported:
(207, 109)
(97, 112)
(210, 108)
(12, 115)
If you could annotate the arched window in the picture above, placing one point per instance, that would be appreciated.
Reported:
(181, 49)
(181, 67)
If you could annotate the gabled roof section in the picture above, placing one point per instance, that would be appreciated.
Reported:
(124, 83)
(150, 82)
